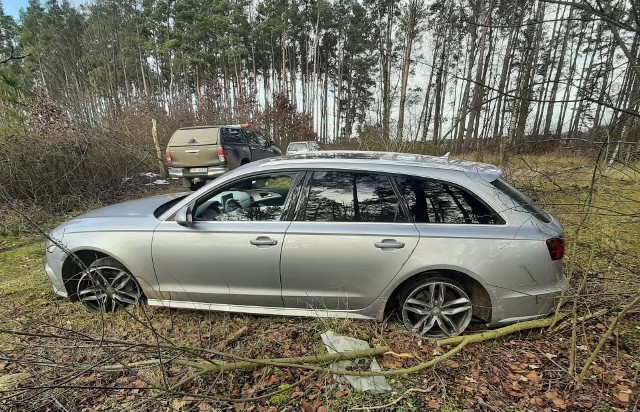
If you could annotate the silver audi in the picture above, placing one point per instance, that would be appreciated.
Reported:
(339, 234)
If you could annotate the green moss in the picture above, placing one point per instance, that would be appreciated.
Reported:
(281, 398)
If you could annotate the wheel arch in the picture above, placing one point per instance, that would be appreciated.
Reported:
(480, 298)
(71, 270)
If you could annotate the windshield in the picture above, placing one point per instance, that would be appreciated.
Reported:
(163, 208)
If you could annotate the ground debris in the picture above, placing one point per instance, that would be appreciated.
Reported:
(338, 343)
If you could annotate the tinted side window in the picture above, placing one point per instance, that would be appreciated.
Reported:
(438, 202)
(254, 138)
(263, 140)
(231, 136)
(351, 197)
(254, 199)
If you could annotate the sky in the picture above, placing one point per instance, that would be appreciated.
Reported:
(11, 7)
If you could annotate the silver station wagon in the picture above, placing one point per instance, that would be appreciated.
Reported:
(345, 234)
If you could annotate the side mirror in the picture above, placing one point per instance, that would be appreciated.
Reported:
(184, 216)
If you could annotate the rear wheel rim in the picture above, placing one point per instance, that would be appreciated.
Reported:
(437, 309)
(107, 289)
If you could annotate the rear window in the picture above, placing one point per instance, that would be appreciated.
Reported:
(297, 146)
(195, 136)
(522, 200)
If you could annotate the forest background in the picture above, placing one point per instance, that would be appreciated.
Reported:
(86, 79)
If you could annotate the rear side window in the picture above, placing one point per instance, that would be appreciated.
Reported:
(297, 146)
(351, 197)
(522, 200)
(231, 136)
(433, 201)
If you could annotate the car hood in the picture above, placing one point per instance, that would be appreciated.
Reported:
(132, 208)
(127, 216)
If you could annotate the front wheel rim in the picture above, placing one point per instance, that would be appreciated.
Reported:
(437, 310)
(107, 289)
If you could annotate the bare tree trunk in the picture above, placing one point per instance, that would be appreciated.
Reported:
(464, 101)
(410, 35)
(534, 35)
(504, 75)
(425, 114)
(478, 89)
(585, 76)
(386, 50)
(572, 68)
(556, 80)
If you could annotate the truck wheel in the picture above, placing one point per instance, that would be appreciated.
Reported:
(196, 185)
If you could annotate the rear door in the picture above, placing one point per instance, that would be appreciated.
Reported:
(194, 147)
(349, 240)
(259, 145)
(235, 145)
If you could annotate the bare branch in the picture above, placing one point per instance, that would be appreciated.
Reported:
(13, 56)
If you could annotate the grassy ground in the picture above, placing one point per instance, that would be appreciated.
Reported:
(526, 371)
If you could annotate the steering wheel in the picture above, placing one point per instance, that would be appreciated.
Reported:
(232, 205)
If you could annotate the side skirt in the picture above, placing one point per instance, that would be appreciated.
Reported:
(258, 310)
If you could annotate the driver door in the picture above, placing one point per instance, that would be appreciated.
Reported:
(230, 254)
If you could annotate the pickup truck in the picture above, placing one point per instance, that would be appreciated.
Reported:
(198, 154)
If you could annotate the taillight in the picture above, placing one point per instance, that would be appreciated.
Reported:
(556, 248)
(167, 155)
(222, 154)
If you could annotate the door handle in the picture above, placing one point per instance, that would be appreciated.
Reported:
(389, 244)
(263, 241)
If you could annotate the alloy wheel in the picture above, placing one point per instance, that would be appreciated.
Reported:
(437, 309)
(107, 288)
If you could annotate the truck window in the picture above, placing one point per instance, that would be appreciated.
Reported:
(231, 136)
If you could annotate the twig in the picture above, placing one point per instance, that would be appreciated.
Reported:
(603, 339)
(393, 402)
(234, 336)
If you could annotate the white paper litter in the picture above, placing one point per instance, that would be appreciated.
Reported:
(338, 343)
(157, 182)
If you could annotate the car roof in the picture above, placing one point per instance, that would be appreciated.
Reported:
(231, 126)
(344, 157)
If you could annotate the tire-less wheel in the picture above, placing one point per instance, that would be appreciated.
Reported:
(107, 286)
(435, 308)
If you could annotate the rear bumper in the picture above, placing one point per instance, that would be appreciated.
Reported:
(211, 173)
(515, 306)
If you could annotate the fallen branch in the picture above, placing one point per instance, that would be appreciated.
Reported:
(253, 363)
(498, 333)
